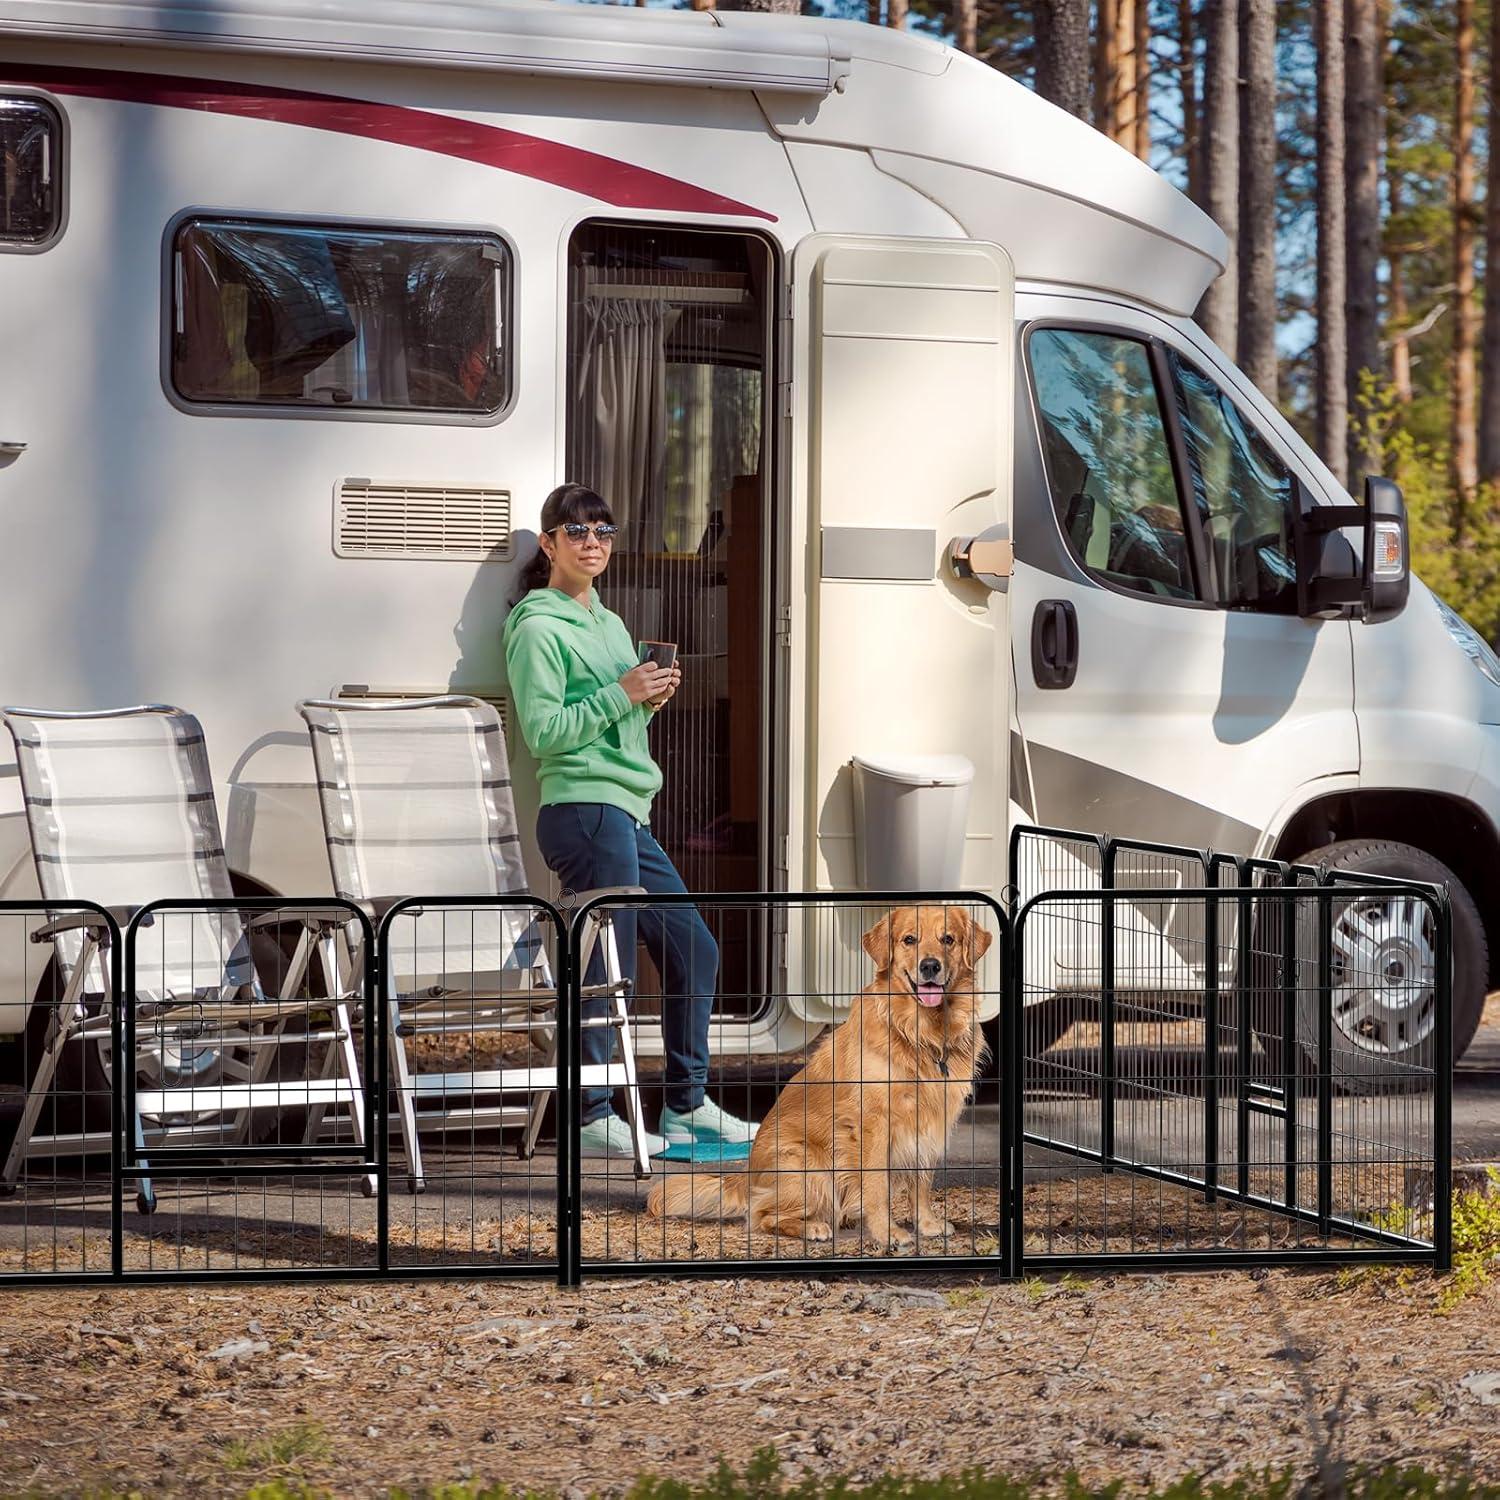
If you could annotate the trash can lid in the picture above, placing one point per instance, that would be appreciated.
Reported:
(919, 770)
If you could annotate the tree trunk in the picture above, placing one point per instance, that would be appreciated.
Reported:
(1221, 129)
(1489, 414)
(966, 26)
(1062, 57)
(1364, 41)
(1331, 399)
(1127, 63)
(895, 14)
(1400, 312)
(1187, 84)
(1143, 79)
(1257, 287)
(1465, 316)
(1106, 65)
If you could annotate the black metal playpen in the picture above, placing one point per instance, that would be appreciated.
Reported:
(1147, 1057)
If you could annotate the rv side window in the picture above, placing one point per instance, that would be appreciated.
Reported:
(1244, 493)
(30, 172)
(1108, 460)
(340, 318)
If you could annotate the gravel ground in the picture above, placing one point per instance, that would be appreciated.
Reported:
(359, 1388)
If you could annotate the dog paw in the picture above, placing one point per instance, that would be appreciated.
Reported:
(936, 1229)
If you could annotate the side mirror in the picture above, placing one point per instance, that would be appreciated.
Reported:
(1332, 578)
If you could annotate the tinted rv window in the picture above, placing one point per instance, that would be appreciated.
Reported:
(1108, 462)
(1245, 494)
(339, 318)
(30, 171)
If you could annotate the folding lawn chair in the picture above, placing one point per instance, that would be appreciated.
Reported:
(417, 803)
(120, 808)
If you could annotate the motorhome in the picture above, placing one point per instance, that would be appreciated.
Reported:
(887, 365)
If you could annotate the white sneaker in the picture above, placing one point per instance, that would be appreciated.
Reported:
(610, 1136)
(707, 1123)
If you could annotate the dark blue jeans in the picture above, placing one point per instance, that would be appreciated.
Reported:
(590, 844)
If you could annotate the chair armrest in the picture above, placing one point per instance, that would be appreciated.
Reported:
(87, 920)
(313, 918)
(584, 897)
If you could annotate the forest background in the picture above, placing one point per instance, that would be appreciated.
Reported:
(1344, 146)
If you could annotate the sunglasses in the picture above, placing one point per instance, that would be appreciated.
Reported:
(575, 531)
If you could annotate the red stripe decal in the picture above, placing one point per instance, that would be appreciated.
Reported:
(586, 172)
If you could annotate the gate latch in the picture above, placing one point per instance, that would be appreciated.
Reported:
(989, 558)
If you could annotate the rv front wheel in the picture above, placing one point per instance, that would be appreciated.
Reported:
(1384, 972)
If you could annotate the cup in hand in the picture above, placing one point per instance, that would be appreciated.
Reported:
(661, 654)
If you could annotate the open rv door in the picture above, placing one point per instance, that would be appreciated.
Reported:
(901, 448)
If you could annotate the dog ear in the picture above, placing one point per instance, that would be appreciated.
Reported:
(980, 939)
(877, 942)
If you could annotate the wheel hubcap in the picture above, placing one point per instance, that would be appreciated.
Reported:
(1384, 975)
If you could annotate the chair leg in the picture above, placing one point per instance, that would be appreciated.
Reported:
(315, 1112)
(145, 1194)
(345, 1048)
(539, 1106)
(401, 1077)
(63, 1022)
(633, 1114)
(614, 973)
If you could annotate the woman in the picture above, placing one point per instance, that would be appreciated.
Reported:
(583, 704)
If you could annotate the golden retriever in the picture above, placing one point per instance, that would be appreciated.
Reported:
(878, 1099)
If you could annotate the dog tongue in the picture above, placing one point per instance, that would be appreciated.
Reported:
(930, 994)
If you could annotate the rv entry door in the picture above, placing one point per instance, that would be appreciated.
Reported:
(901, 415)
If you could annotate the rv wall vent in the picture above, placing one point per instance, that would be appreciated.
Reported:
(454, 522)
(497, 701)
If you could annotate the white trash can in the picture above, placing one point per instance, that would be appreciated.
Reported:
(910, 816)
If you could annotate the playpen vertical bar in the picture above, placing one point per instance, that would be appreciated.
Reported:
(566, 1103)
(1107, 1009)
(377, 1065)
(1325, 1060)
(110, 960)
(1289, 1057)
(1211, 1039)
(1442, 1086)
(1244, 984)
(1012, 1066)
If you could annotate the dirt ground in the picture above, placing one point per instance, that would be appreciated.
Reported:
(359, 1388)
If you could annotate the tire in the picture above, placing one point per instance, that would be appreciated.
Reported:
(1374, 1040)
(80, 1094)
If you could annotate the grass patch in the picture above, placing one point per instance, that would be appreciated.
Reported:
(762, 1479)
(288, 1449)
(1476, 1252)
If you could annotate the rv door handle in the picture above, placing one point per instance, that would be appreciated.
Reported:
(1054, 644)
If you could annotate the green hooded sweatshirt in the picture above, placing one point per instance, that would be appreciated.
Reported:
(564, 662)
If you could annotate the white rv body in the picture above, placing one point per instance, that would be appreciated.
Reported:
(920, 213)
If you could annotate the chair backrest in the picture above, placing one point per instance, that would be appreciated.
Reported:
(120, 809)
(416, 800)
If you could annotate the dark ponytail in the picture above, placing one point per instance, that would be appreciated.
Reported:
(568, 502)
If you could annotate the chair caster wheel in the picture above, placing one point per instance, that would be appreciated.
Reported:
(145, 1203)
(368, 1188)
(9, 1189)
(415, 1185)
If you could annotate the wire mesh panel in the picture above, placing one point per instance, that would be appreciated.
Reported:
(471, 990)
(1186, 1127)
(56, 1122)
(248, 1113)
(842, 1130)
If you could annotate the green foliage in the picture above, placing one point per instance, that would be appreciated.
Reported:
(287, 1449)
(762, 1479)
(1476, 1243)
(1455, 546)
